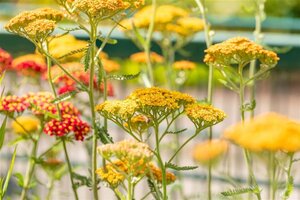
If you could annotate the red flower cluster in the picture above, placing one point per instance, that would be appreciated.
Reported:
(68, 123)
(13, 104)
(5, 60)
(29, 65)
(41, 104)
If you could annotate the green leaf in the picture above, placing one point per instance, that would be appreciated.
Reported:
(73, 52)
(87, 58)
(17, 141)
(103, 135)
(81, 180)
(180, 168)
(20, 179)
(63, 170)
(238, 191)
(46, 113)
(289, 188)
(138, 35)
(64, 97)
(249, 106)
(177, 132)
(8, 176)
(2, 132)
(70, 29)
(154, 191)
(108, 41)
(123, 77)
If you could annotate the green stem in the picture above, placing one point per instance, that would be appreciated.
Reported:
(93, 38)
(161, 163)
(247, 154)
(130, 195)
(30, 169)
(273, 183)
(208, 40)
(288, 187)
(50, 189)
(70, 169)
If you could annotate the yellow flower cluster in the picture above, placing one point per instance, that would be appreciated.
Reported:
(168, 18)
(112, 173)
(102, 9)
(203, 115)
(184, 65)
(209, 150)
(238, 50)
(141, 57)
(25, 124)
(269, 132)
(123, 109)
(134, 154)
(36, 24)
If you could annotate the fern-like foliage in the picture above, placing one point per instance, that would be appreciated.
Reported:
(180, 168)
(123, 77)
(238, 191)
(72, 53)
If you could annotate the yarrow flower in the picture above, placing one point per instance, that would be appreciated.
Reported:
(36, 25)
(25, 124)
(168, 19)
(13, 104)
(103, 9)
(209, 151)
(29, 65)
(269, 132)
(203, 115)
(5, 61)
(141, 57)
(184, 65)
(68, 123)
(238, 50)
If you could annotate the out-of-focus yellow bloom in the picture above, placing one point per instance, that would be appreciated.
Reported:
(269, 132)
(29, 123)
(168, 19)
(156, 173)
(209, 151)
(238, 50)
(141, 57)
(184, 65)
(110, 65)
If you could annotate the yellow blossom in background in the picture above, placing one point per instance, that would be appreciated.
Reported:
(141, 57)
(184, 65)
(29, 123)
(209, 151)
(269, 132)
(110, 65)
(60, 46)
(238, 50)
(202, 115)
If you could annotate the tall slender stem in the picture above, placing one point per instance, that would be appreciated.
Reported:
(130, 195)
(288, 187)
(93, 38)
(70, 169)
(208, 40)
(30, 168)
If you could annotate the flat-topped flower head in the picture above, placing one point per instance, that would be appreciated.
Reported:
(117, 109)
(102, 9)
(209, 151)
(184, 65)
(25, 125)
(32, 65)
(112, 173)
(35, 24)
(191, 25)
(13, 104)
(141, 57)
(239, 50)
(203, 115)
(5, 61)
(136, 155)
(67, 124)
(269, 132)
